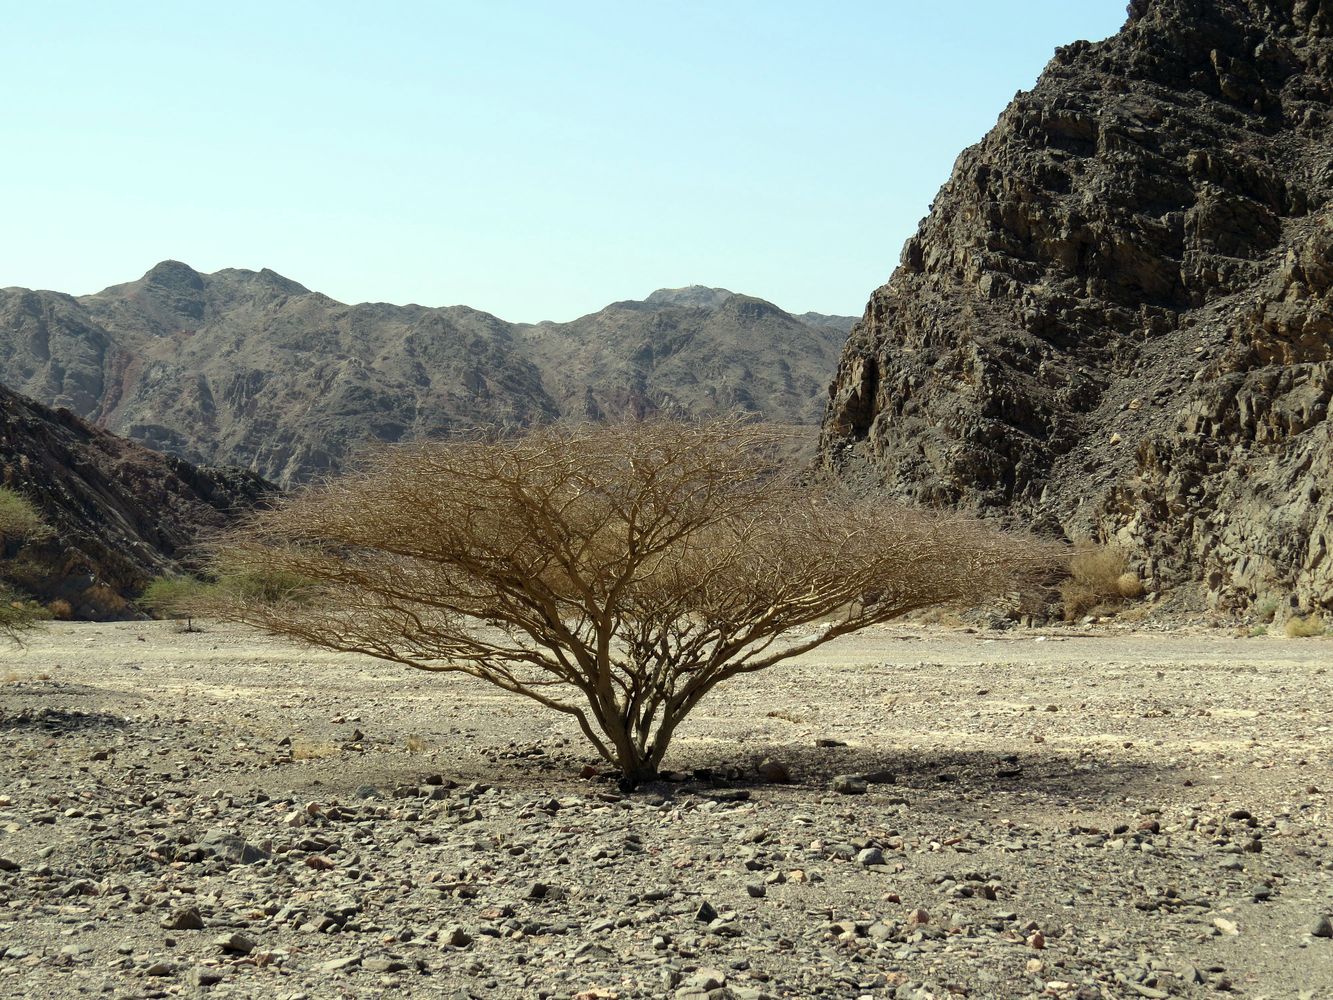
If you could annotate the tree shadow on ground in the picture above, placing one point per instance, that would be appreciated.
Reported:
(1061, 777)
(55, 721)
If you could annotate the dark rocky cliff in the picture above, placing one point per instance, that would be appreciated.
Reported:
(1116, 320)
(119, 513)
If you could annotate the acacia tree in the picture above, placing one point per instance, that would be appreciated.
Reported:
(616, 574)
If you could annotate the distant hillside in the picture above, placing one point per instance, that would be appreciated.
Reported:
(253, 369)
(121, 514)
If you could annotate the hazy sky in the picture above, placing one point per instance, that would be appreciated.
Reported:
(536, 160)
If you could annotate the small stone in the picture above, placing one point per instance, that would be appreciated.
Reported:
(1225, 926)
(457, 937)
(773, 771)
(849, 784)
(188, 919)
(1037, 941)
(384, 965)
(340, 964)
(205, 977)
(7, 865)
(880, 778)
(757, 890)
(705, 914)
(1147, 991)
(1322, 927)
(707, 979)
(870, 856)
(918, 917)
(230, 847)
(237, 944)
(827, 742)
(160, 969)
(537, 890)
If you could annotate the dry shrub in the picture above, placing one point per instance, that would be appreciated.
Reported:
(1129, 586)
(1303, 628)
(302, 750)
(614, 573)
(415, 744)
(60, 609)
(1099, 575)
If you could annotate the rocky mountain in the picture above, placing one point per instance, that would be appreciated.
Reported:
(120, 514)
(252, 369)
(1116, 320)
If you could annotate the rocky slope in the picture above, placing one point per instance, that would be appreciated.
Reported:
(253, 369)
(1116, 319)
(119, 513)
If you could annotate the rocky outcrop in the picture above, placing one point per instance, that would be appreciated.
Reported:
(253, 369)
(1115, 321)
(119, 513)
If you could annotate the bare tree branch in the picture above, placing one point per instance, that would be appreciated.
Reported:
(616, 574)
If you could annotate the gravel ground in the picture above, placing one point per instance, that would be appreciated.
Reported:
(1020, 814)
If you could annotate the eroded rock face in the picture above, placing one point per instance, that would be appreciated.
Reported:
(1115, 321)
(120, 514)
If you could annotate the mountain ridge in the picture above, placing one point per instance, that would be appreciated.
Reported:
(253, 369)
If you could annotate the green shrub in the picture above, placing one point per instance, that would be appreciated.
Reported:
(262, 584)
(19, 614)
(173, 596)
(19, 518)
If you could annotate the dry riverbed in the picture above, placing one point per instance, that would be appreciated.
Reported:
(1049, 814)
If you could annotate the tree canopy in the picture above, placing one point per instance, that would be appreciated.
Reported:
(614, 573)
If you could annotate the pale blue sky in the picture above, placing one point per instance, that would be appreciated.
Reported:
(536, 160)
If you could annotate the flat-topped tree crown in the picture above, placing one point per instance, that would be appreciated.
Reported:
(615, 573)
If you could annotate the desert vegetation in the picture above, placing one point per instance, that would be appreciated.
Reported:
(1099, 576)
(20, 522)
(173, 597)
(1304, 627)
(615, 573)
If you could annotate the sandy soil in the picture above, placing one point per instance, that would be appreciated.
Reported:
(1111, 814)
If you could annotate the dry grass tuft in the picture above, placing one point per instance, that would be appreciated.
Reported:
(1304, 628)
(415, 744)
(1099, 576)
(314, 751)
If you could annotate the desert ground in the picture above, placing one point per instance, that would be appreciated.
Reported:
(1058, 813)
